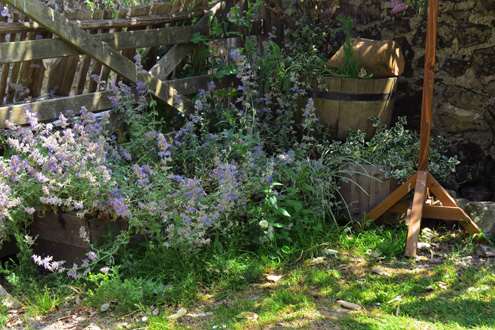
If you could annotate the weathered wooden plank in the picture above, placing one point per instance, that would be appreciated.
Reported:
(176, 54)
(91, 46)
(96, 66)
(82, 79)
(416, 214)
(32, 69)
(134, 12)
(37, 76)
(50, 109)
(392, 199)
(105, 71)
(13, 85)
(50, 48)
(62, 72)
(151, 55)
(6, 67)
(19, 27)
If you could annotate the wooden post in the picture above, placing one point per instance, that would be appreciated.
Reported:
(422, 180)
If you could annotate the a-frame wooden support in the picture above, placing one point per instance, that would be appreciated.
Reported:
(423, 182)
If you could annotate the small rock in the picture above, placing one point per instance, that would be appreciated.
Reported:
(442, 298)
(273, 278)
(442, 285)
(330, 252)
(343, 266)
(201, 314)
(3, 292)
(92, 326)
(485, 251)
(398, 298)
(435, 261)
(11, 302)
(248, 315)
(361, 279)
(180, 313)
(424, 246)
(104, 307)
(348, 305)
(379, 271)
(376, 304)
(401, 264)
(429, 288)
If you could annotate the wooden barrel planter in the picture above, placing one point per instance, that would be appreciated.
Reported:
(348, 103)
(365, 188)
(59, 235)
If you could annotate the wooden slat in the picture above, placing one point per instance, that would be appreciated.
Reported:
(82, 79)
(393, 198)
(50, 48)
(14, 72)
(416, 214)
(176, 54)
(91, 46)
(105, 71)
(135, 12)
(439, 192)
(35, 84)
(62, 72)
(95, 71)
(50, 109)
(6, 67)
(151, 55)
(429, 75)
(20, 27)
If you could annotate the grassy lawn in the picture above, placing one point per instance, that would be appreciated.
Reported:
(446, 287)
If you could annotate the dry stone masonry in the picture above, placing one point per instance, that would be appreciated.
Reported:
(464, 100)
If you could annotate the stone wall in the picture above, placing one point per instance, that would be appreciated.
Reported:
(464, 99)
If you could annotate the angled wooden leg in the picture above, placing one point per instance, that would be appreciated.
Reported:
(392, 199)
(443, 196)
(416, 214)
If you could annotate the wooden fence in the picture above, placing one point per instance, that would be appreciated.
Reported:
(47, 60)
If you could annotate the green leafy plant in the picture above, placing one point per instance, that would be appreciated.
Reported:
(396, 149)
(350, 66)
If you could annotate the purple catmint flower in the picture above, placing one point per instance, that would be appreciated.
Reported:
(400, 7)
(92, 256)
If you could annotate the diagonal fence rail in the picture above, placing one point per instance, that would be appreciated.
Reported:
(47, 59)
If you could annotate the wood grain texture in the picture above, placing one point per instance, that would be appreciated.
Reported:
(20, 27)
(429, 75)
(416, 214)
(86, 43)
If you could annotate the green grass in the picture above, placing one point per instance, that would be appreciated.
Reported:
(222, 288)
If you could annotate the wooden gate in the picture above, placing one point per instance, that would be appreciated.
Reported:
(47, 59)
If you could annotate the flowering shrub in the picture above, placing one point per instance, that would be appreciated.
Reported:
(241, 172)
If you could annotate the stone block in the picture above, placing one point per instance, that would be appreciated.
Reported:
(483, 214)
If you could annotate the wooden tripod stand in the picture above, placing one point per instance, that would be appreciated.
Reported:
(422, 181)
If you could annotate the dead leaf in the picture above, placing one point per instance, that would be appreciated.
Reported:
(273, 278)
(248, 315)
(180, 313)
(11, 302)
(349, 305)
(398, 298)
(379, 271)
